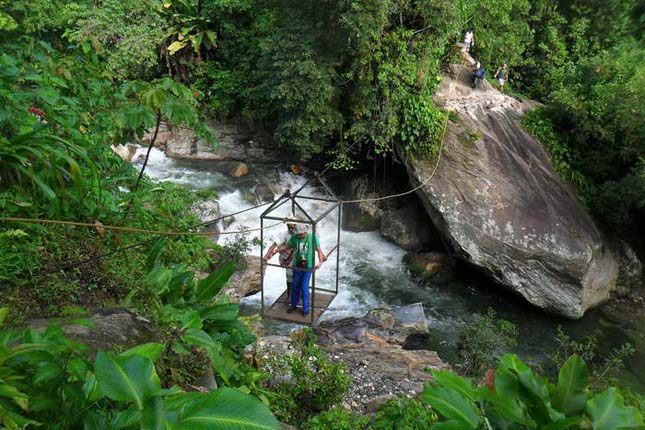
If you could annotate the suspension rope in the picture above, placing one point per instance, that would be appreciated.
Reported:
(132, 229)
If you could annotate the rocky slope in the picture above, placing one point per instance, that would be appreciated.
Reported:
(501, 206)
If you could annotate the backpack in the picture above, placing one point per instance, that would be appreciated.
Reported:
(479, 73)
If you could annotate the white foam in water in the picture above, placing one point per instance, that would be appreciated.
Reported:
(163, 168)
(368, 247)
(356, 249)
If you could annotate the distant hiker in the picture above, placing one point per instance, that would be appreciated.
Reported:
(303, 244)
(469, 40)
(286, 255)
(478, 75)
(502, 76)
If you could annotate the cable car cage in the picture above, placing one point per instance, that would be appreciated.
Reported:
(320, 298)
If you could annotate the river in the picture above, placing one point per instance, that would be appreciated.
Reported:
(372, 275)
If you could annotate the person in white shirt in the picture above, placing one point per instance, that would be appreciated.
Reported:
(469, 39)
(286, 255)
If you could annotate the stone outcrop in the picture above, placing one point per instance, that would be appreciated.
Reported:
(429, 264)
(361, 216)
(245, 282)
(105, 329)
(407, 227)
(126, 152)
(236, 143)
(500, 205)
(401, 221)
(372, 350)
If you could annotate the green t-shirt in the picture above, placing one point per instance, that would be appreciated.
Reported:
(302, 248)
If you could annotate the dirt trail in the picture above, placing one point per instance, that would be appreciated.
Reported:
(456, 94)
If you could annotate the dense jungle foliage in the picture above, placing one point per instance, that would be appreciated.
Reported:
(331, 78)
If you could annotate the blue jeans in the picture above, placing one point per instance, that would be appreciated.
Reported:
(300, 285)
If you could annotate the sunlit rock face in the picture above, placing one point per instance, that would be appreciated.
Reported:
(501, 206)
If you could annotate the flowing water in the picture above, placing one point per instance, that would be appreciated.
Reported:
(371, 274)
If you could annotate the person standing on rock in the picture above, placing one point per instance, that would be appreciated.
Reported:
(502, 76)
(303, 244)
(285, 256)
(469, 40)
(478, 75)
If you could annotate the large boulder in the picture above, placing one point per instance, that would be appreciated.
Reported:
(361, 216)
(245, 282)
(500, 205)
(408, 227)
(105, 329)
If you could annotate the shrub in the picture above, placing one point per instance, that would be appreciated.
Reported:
(482, 341)
(517, 398)
(306, 382)
(404, 413)
(337, 419)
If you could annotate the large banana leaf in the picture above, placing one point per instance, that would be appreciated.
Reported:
(570, 395)
(151, 351)
(453, 406)
(224, 409)
(608, 412)
(208, 287)
(127, 378)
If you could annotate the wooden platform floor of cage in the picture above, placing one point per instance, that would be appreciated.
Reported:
(278, 310)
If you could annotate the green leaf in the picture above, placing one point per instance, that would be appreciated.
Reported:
(570, 396)
(454, 382)
(152, 351)
(221, 312)
(564, 424)
(94, 421)
(509, 408)
(225, 409)
(3, 314)
(608, 411)
(507, 382)
(155, 254)
(176, 46)
(127, 378)
(450, 425)
(208, 287)
(78, 368)
(199, 338)
(453, 406)
(152, 416)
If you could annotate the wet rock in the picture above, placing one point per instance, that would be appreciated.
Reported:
(364, 216)
(384, 318)
(295, 169)
(500, 205)
(126, 152)
(240, 170)
(244, 282)
(207, 380)
(429, 264)
(630, 269)
(263, 193)
(237, 142)
(370, 348)
(110, 328)
(379, 325)
(408, 227)
(373, 405)
(411, 318)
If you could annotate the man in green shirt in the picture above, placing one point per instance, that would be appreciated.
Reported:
(303, 244)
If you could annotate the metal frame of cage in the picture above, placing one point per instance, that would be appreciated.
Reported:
(293, 198)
